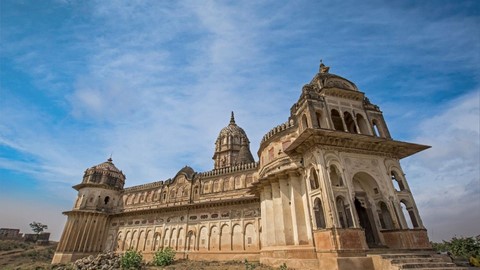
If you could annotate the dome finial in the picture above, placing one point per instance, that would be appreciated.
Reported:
(232, 118)
(323, 68)
(110, 158)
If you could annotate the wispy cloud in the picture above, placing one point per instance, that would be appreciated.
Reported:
(446, 178)
(155, 82)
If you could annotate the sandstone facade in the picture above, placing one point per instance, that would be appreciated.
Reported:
(327, 189)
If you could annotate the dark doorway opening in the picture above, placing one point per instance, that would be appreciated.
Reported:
(365, 223)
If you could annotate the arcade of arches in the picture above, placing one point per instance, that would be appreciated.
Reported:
(327, 189)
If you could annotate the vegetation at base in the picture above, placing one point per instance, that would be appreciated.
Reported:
(38, 227)
(131, 259)
(164, 257)
(6, 245)
(467, 248)
(249, 265)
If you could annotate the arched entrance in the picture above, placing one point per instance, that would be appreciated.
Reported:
(366, 188)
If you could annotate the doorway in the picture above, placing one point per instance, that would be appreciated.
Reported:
(364, 219)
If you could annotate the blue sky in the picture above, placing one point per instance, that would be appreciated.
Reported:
(153, 82)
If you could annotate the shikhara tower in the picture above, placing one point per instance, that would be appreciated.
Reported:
(327, 190)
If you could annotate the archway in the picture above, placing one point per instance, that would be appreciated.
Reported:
(365, 189)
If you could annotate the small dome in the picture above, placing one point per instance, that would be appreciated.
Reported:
(324, 79)
(187, 171)
(105, 174)
(233, 130)
(107, 165)
(232, 146)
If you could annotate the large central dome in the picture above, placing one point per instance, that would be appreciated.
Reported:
(232, 146)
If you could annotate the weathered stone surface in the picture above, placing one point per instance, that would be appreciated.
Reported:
(323, 193)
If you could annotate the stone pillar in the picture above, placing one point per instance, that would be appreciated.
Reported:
(286, 210)
(66, 235)
(87, 230)
(278, 215)
(298, 211)
(269, 215)
(263, 211)
(308, 220)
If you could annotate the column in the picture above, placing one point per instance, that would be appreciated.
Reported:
(86, 233)
(269, 231)
(308, 222)
(298, 210)
(263, 211)
(278, 215)
(286, 212)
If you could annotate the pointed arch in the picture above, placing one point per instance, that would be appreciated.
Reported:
(335, 176)
(319, 214)
(362, 124)
(336, 120)
(314, 184)
(344, 213)
(384, 216)
(350, 123)
(225, 238)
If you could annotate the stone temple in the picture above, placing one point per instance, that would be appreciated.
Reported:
(328, 192)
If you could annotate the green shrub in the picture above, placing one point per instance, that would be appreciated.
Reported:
(164, 257)
(283, 266)
(131, 259)
(249, 265)
(474, 261)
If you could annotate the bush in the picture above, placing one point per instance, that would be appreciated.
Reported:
(467, 248)
(132, 259)
(164, 257)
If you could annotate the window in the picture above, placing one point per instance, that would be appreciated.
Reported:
(349, 122)
(409, 211)
(337, 120)
(304, 122)
(376, 129)
(397, 182)
(384, 217)
(318, 212)
(335, 177)
(106, 200)
(320, 122)
(362, 125)
(344, 213)
(313, 179)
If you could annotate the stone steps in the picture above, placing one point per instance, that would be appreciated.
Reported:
(419, 261)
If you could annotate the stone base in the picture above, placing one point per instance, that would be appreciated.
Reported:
(67, 257)
(335, 239)
(296, 257)
(210, 256)
(407, 239)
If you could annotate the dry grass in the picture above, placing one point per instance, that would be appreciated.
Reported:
(19, 255)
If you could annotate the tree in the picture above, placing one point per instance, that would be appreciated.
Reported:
(38, 227)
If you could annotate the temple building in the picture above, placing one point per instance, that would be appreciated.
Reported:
(327, 192)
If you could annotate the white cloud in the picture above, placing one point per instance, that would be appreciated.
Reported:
(446, 178)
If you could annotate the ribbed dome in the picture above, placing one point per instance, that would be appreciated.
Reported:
(323, 79)
(107, 165)
(105, 173)
(187, 171)
(233, 130)
(232, 146)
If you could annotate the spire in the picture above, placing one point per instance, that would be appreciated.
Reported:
(232, 118)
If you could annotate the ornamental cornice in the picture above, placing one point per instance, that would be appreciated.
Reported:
(356, 143)
(186, 206)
